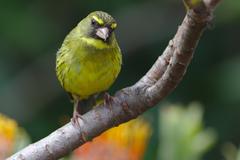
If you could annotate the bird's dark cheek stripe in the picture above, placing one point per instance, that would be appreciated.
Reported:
(110, 30)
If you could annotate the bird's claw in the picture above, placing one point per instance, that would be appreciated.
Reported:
(108, 99)
(75, 118)
(75, 123)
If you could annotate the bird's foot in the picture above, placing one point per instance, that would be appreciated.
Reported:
(75, 118)
(75, 123)
(108, 99)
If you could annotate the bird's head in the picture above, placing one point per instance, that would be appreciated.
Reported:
(98, 25)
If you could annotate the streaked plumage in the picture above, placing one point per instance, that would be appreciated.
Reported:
(89, 59)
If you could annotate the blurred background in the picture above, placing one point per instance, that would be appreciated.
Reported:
(32, 31)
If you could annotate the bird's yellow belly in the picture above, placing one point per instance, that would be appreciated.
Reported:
(92, 75)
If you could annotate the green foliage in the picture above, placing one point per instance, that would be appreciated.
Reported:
(182, 134)
(229, 11)
(230, 152)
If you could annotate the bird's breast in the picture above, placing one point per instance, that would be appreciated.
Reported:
(92, 72)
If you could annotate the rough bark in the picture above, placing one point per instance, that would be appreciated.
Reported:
(132, 101)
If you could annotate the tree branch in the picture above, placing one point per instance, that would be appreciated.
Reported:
(132, 101)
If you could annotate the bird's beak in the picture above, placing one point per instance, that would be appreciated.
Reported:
(103, 33)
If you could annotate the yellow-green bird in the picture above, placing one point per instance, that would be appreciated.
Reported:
(89, 59)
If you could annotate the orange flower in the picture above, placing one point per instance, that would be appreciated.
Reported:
(8, 129)
(125, 142)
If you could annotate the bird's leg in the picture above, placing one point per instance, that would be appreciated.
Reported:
(76, 114)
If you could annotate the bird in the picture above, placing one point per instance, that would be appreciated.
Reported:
(89, 61)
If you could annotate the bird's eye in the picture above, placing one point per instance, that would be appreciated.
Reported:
(94, 22)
